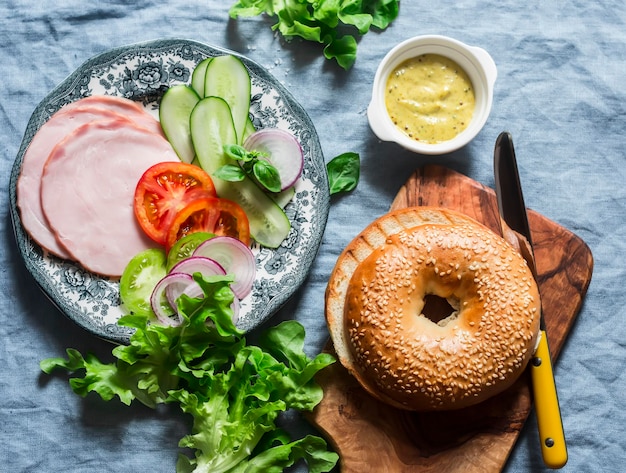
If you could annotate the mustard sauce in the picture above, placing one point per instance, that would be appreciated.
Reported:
(430, 98)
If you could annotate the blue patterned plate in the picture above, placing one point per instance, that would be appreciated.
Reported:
(143, 72)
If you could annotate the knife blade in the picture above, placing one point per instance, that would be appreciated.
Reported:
(514, 218)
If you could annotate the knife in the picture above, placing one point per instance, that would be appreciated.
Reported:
(514, 217)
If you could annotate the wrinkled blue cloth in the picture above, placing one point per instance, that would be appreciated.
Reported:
(560, 92)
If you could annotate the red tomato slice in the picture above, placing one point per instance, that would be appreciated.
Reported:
(232, 221)
(213, 215)
(163, 191)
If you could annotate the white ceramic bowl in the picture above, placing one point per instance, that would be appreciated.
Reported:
(476, 62)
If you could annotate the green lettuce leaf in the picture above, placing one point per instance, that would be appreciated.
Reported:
(383, 12)
(323, 21)
(234, 391)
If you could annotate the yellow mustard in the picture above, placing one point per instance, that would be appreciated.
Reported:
(430, 98)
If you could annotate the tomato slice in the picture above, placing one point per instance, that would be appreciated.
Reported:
(213, 215)
(232, 221)
(140, 276)
(185, 247)
(163, 191)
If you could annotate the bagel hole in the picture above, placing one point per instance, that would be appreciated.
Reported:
(440, 310)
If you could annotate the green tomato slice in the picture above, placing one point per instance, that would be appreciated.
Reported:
(185, 247)
(140, 277)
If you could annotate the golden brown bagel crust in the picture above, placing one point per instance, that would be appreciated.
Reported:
(376, 294)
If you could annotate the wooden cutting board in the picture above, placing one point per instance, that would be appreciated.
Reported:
(373, 437)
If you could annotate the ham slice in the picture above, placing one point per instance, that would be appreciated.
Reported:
(62, 123)
(126, 107)
(87, 191)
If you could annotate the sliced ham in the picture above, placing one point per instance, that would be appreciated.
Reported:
(29, 182)
(126, 107)
(54, 130)
(87, 190)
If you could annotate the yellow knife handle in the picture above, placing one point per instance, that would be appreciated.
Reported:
(553, 448)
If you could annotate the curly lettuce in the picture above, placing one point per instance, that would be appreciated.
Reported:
(234, 391)
(324, 21)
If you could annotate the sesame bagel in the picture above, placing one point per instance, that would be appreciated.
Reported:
(413, 353)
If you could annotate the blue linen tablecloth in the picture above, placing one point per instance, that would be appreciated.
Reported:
(560, 92)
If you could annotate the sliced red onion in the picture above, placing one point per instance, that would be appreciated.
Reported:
(199, 264)
(194, 290)
(189, 266)
(180, 281)
(234, 257)
(236, 305)
(170, 288)
(173, 292)
(283, 152)
(165, 292)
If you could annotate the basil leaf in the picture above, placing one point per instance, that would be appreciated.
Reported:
(230, 173)
(236, 152)
(267, 175)
(343, 172)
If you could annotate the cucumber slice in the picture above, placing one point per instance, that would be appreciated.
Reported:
(249, 129)
(198, 75)
(211, 128)
(174, 112)
(228, 78)
(282, 198)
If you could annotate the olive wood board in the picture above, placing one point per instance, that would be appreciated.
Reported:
(370, 436)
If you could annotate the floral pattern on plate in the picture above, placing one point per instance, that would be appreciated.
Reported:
(143, 72)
